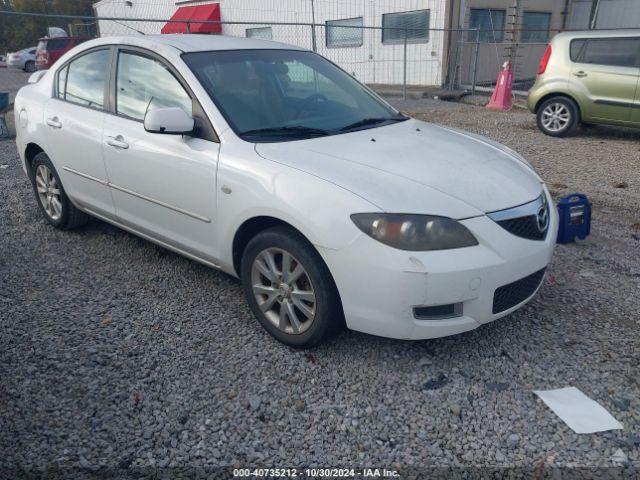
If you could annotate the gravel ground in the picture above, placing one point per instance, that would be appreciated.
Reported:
(120, 354)
(11, 80)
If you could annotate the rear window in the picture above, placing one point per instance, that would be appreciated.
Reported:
(618, 52)
(53, 44)
(78, 41)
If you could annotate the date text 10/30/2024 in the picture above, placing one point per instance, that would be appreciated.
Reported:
(315, 473)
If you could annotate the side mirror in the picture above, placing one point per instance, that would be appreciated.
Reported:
(36, 76)
(170, 121)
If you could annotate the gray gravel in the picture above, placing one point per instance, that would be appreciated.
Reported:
(11, 80)
(118, 353)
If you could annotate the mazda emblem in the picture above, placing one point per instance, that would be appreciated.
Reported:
(542, 217)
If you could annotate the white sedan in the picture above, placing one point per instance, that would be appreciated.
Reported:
(23, 59)
(272, 164)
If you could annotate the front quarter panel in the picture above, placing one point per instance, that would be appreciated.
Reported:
(258, 187)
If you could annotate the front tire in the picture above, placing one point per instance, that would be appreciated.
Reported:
(290, 289)
(51, 197)
(30, 66)
(558, 116)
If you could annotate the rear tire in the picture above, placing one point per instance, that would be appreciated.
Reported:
(290, 289)
(558, 116)
(30, 66)
(51, 197)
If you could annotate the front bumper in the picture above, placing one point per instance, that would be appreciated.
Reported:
(380, 286)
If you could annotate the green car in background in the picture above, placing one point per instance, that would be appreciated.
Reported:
(588, 77)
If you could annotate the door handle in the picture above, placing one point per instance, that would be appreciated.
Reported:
(117, 142)
(580, 74)
(54, 122)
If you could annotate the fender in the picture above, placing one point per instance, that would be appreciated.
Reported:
(258, 187)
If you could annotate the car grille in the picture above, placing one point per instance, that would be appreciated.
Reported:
(510, 295)
(524, 227)
(529, 220)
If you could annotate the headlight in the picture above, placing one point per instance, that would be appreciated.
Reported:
(414, 232)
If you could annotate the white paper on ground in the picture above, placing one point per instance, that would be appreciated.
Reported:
(578, 411)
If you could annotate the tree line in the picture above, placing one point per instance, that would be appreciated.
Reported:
(17, 32)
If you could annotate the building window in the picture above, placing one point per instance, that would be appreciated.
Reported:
(415, 25)
(263, 33)
(535, 27)
(344, 33)
(489, 22)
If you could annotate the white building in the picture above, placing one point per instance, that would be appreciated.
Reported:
(376, 56)
(371, 54)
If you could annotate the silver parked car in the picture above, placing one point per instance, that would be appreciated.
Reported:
(23, 60)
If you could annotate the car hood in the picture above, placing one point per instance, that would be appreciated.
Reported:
(415, 167)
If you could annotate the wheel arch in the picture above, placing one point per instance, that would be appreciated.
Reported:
(249, 229)
(559, 94)
(31, 150)
(253, 226)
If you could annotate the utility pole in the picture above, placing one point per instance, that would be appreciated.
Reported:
(514, 22)
(513, 25)
(44, 8)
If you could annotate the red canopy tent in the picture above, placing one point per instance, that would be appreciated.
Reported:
(191, 18)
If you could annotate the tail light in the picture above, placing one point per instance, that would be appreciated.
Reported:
(544, 60)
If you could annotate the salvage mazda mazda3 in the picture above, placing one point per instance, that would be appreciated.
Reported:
(272, 164)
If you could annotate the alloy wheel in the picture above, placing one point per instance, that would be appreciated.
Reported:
(48, 192)
(283, 290)
(555, 117)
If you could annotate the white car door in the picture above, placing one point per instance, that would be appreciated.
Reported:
(74, 119)
(163, 185)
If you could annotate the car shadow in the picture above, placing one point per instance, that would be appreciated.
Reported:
(606, 132)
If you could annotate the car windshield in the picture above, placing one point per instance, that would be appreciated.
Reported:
(284, 95)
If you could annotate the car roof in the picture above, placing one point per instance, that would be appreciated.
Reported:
(62, 38)
(626, 32)
(194, 42)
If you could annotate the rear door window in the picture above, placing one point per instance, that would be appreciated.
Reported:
(617, 52)
(86, 78)
(55, 44)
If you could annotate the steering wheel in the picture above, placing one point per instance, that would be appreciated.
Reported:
(306, 103)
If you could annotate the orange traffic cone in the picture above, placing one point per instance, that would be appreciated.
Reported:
(502, 98)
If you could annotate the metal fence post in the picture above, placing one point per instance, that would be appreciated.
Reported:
(313, 27)
(188, 26)
(475, 62)
(404, 74)
(314, 46)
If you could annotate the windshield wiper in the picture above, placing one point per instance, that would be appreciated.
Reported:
(373, 121)
(296, 130)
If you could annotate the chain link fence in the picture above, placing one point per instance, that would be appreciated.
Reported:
(475, 63)
(392, 60)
